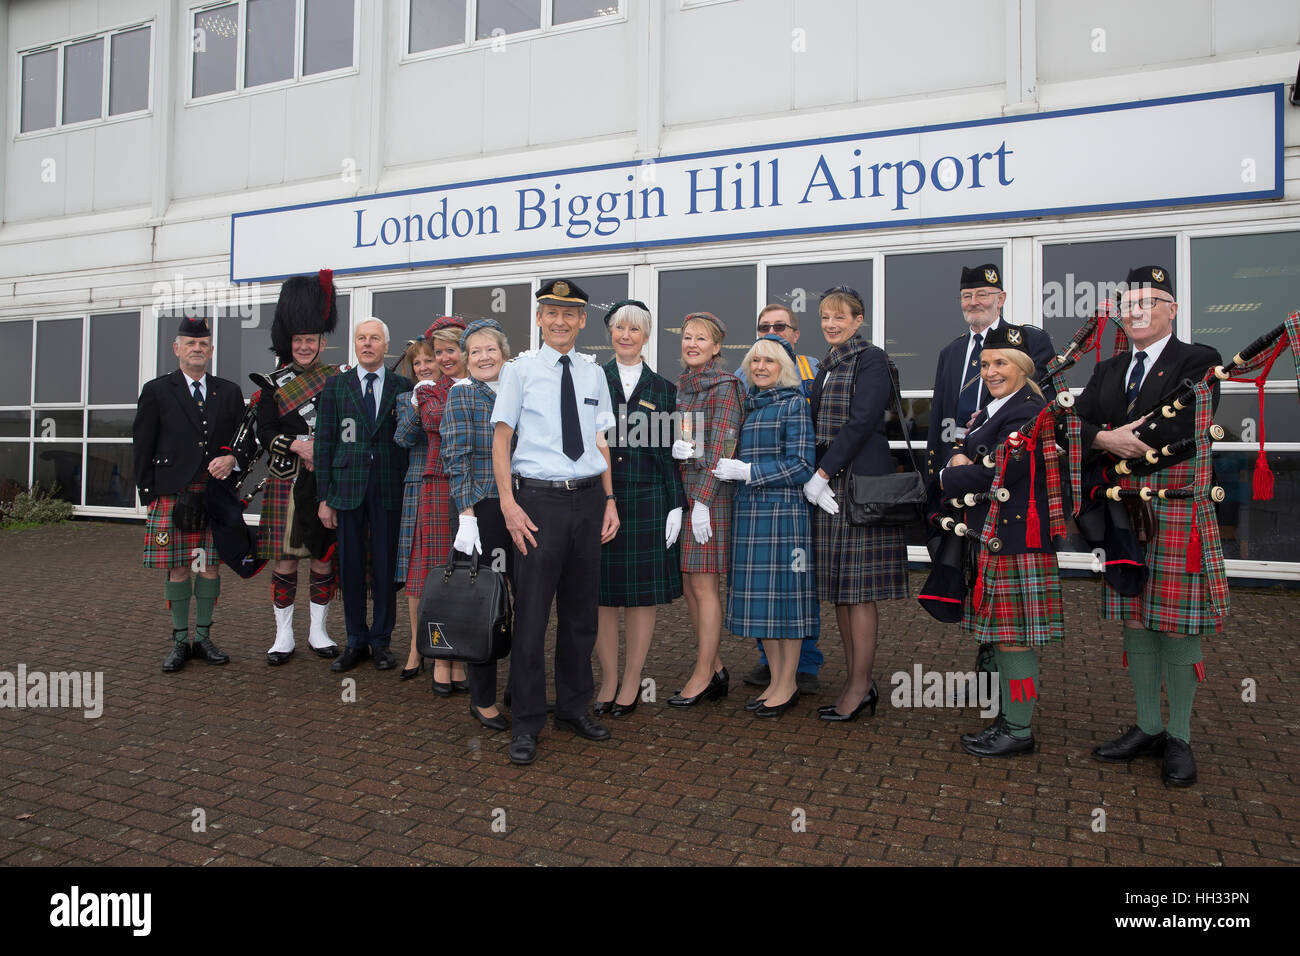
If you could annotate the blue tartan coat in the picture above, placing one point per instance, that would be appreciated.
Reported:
(466, 450)
(410, 435)
(773, 591)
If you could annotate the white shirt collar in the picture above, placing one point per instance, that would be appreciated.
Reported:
(361, 377)
(1153, 352)
(992, 407)
(202, 380)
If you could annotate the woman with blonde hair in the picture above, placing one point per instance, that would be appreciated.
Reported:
(418, 364)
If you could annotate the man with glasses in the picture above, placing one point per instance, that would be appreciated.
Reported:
(1164, 624)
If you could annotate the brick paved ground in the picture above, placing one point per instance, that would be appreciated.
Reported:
(285, 772)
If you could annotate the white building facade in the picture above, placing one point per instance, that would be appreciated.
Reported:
(445, 155)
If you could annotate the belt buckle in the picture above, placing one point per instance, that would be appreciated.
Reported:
(569, 484)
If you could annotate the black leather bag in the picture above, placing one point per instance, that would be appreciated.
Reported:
(190, 513)
(888, 501)
(464, 613)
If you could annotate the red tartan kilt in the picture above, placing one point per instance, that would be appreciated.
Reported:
(1022, 601)
(433, 535)
(165, 546)
(714, 555)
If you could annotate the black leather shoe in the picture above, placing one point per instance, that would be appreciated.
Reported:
(622, 710)
(807, 683)
(602, 707)
(329, 651)
(985, 734)
(779, 709)
(523, 748)
(205, 650)
(757, 702)
(584, 726)
(460, 686)
(276, 658)
(1178, 769)
(759, 676)
(350, 658)
(410, 672)
(441, 687)
(718, 687)
(867, 703)
(498, 722)
(177, 658)
(1132, 743)
(1000, 744)
(383, 658)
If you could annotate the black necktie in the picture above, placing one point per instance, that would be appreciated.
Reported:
(572, 428)
(968, 400)
(372, 407)
(198, 396)
(1135, 383)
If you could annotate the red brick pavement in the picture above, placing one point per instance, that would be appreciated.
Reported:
(285, 772)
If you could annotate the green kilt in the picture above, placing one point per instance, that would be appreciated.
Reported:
(636, 570)
(1022, 601)
(165, 546)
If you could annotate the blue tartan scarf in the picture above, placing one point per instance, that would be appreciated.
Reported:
(839, 369)
(759, 397)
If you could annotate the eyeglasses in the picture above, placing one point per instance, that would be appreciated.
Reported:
(1144, 304)
(982, 295)
(764, 328)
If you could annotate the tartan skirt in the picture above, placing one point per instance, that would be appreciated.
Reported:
(432, 539)
(167, 547)
(772, 590)
(857, 565)
(271, 522)
(1175, 599)
(636, 570)
(1022, 601)
(713, 556)
(406, 534)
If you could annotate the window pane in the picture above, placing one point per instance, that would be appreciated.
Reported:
(568, 11)
(327, 36)
(1078, 275)
(923, 309)
(49, 424)
(109, 476)
(14, 458)
(602, 291)
(727, 292)
(407, 313)
(58, 361)
(499, 17)
(15, 363)
(436, 23)
(83, 81)
(268, 41)
(114, 358)
(1242, 287)
(800, 287)
(128, 80)
(58, 466)
(216, 49)
(15, 424)
(111, 423)
(244, 345)
(1258, 530)
(40, 75)
(1238, 412)
(511, 305)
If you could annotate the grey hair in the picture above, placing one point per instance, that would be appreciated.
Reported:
(789, 377)
(634, 316)
(382, 324)
(499, 337)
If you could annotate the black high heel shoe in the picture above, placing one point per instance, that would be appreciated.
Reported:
(498, 722)
(870, 701)
(440, 687)
(409, 672)
(602, 707)
(622, 710)
(779, 709)
(718, 687)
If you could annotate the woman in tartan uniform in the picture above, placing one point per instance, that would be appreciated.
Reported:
(641, 567)
(466, 431)
(431, 542)
(1016, 603)
(419, 365)
(856, 567)
(709, 410)
(773, 594)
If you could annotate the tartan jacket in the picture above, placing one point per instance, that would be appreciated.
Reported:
(712, 399)
(777, 442)
(350, 447)
(641, 443)
(849, 400)
(466, 431)
(431, 403)
(409, 434)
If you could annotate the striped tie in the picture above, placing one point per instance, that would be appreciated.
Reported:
(1135, 383)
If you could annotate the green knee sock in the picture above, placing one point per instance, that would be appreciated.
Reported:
(205, 599)
(1180, 653)
(177, 594)
(1018, 666)
(1142, 648)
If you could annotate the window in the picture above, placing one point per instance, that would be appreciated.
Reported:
(75, 82)
(440, 24)
(602, 292)
(276, 41)
(727, 291)
(513, 306)
(799, 288)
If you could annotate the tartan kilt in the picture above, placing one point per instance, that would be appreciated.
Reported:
(406, 534)
(432, 539)
(275, 512)
(714, 555)
(1022, 601)
(636, 570)
(165, 546)
(1175, 599)
(772, 591)
(857, 565)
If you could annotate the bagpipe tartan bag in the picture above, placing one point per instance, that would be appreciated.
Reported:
(464, 613)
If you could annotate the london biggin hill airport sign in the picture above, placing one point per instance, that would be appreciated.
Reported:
(1205, 148)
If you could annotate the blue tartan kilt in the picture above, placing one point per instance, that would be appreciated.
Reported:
(406, 534)
(773, 582)
(636, 570)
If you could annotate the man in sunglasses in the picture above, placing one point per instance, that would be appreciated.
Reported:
(780, 320)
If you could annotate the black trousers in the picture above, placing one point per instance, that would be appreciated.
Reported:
(496, 546)
(381, 526)
(564, 568)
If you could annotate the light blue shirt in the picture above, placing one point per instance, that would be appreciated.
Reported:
(379, 384)
(529, 402)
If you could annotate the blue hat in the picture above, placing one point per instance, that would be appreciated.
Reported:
(773, 337)
(478, 325)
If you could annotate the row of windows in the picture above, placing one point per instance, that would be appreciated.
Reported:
(76, 82)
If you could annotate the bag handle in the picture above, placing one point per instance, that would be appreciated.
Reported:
(454, 556)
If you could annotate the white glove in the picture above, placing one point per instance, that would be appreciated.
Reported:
(732, 469)
(826, 501)
(683, 449)
(419, 385)
(467, 539)
(700, 526)
(673, 528)
(814, 486)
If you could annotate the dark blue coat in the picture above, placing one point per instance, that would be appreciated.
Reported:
(859, 442)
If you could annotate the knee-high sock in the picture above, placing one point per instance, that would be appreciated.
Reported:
(177, 594)
(1180, 653)
(322, 587)
(284, 588)
(205, 599)
(1018, 672)
(1142, 651)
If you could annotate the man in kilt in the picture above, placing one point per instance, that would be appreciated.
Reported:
(1186, 591)
(290, 528)
(184, 424)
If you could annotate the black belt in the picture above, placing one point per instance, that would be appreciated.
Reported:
(568, 484)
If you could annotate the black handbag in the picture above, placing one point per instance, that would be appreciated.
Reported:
(190, 513)
(888, 501)
(464, 613)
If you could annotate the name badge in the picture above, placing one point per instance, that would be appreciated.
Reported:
(591, 401)
(642, 402)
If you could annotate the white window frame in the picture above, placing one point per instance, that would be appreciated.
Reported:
(299, 49)
(469, 42)
(106, 36)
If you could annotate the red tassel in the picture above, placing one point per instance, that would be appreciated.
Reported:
(1016, 691)
(1193, 563)
(1125, 659)
(1033, 536)
(1261, 486)
(1200, 671)
(1031, 692)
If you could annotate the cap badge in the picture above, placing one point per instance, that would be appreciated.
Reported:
(560, 288)
(991, 275)
(1013, 336)
(1158, 275)
(162, 539)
